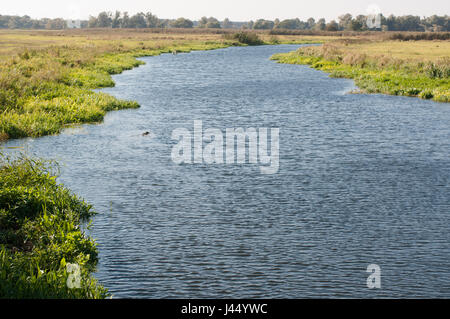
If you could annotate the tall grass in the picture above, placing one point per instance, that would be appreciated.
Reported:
(40, 233)
(378, 73)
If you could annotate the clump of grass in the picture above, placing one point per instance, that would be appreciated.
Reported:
(439, 69)
(40, 233)
(378, 74)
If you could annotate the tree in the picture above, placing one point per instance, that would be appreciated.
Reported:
(164, 23)
(104, 20)
(290, 24)
(125, 20)
(14, 23)
(276, 22)
(332, 26)
(320, 25)
(37, 24)
(345, 21)
(182, 23)
(138, 21)
(56, 24)
(116, 20)
(203, 22)
(213, 23)
(355, 25)
(362, 19)
(209, 23)
(226, 24)
(410, 23)
(92, 23)
(262, 24)
(152, 20)
(311, 23)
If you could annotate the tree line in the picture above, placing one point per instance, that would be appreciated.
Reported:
(345, 22)
(26, 22)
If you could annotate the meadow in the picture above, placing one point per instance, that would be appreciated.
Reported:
(379, 65)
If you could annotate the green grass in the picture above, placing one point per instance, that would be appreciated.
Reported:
(378, 74)
(40, 95)
(40, 233)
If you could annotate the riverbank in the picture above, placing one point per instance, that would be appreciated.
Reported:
(46, 78)
(407, 68)
(40, 235)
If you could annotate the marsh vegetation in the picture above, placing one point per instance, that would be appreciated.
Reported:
(408, 68)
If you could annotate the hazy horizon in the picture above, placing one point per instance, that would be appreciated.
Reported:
(233, 9)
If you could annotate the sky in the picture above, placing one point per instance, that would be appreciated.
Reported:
(235, 10)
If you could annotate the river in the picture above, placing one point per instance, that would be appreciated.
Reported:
(362, 179)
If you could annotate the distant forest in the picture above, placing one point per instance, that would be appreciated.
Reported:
(346, 22)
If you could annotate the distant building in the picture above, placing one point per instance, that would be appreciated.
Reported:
(73, 24)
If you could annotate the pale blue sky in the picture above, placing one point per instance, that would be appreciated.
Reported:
(235, 10)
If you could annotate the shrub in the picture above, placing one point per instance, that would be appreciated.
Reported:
(249, 38)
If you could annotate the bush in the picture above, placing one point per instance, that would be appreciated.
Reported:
(249, 38)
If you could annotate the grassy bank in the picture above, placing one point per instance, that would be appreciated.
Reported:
(43, 90)
(412, 68)
(46, 78)
(40, 234)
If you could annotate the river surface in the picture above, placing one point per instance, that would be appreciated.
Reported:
(363, 179)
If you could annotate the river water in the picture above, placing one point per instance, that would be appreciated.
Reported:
(363, 179)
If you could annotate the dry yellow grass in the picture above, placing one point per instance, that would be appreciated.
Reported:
(407, 50)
